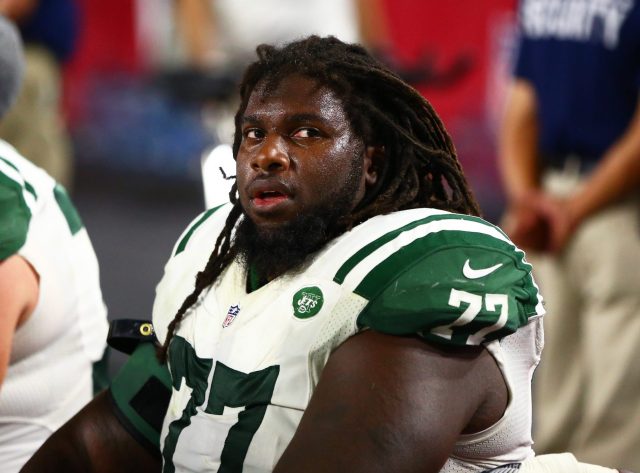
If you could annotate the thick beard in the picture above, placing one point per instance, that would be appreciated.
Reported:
(275, 251)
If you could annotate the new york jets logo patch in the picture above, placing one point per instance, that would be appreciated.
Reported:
(307, 302)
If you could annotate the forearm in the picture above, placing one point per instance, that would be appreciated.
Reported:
(372, 24)
(518, 143)
(196, 25)
(17, 10)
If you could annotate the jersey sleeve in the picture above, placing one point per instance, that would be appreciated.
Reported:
(140, 393)
(15, 214)
(463, 290)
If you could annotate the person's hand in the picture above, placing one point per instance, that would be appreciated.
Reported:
(564, 219)
(527, 224)
(527, 229)
(540, 222)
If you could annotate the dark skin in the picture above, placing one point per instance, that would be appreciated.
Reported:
(380, 402)
(388, 403)
(380, 399)
(297, 147)
(383, 403)
(93, 441)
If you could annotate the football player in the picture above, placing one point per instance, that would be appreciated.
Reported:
(53, 320)
(351, 310)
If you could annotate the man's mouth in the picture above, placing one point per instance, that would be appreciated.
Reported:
(269, 198)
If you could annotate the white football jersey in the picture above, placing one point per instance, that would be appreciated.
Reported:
(49, 377)
(245, 364)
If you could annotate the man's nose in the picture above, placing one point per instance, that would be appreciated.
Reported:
(272, 155)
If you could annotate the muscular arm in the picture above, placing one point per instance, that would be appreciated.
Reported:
(93, 441)
(19, 295)
(387, 403)
(529, 211)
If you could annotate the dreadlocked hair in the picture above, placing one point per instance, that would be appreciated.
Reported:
(420, 167)
(223, 253)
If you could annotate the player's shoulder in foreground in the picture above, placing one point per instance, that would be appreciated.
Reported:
(17, 200)
(454, 277)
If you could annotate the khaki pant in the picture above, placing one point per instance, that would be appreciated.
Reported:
(34, 124)
(587, 388)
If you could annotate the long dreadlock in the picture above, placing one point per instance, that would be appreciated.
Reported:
(420, 166)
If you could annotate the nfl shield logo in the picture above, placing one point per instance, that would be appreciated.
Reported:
(231, 315)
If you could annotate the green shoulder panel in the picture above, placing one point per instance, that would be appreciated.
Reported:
(141, 392)
(451, 280)
(14, 216)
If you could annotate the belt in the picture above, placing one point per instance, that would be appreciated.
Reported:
(570, 163)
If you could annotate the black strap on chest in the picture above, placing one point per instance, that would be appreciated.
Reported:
(126, 334)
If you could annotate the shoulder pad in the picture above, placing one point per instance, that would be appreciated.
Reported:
(450, 278)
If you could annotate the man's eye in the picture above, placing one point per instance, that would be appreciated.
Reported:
(254, 134)
(306, 133)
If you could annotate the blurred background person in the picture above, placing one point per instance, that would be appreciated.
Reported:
(53, 323)
(570, 160)
(215, 32)
(36, 125)
(218, 38)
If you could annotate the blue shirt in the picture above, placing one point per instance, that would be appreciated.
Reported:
(583, 59)
(54, 25)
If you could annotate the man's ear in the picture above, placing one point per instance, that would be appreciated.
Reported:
(373, 161)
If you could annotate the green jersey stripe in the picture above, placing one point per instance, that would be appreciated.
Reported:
(367, 250)
(9, 163)
(356, 268)
(15, 216)
(16, 176)
(374, 245)
(402, 259)
(68, 210)
(183, 243)
(30, 189)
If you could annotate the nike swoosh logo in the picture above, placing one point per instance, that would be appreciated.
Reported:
(471, 273)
